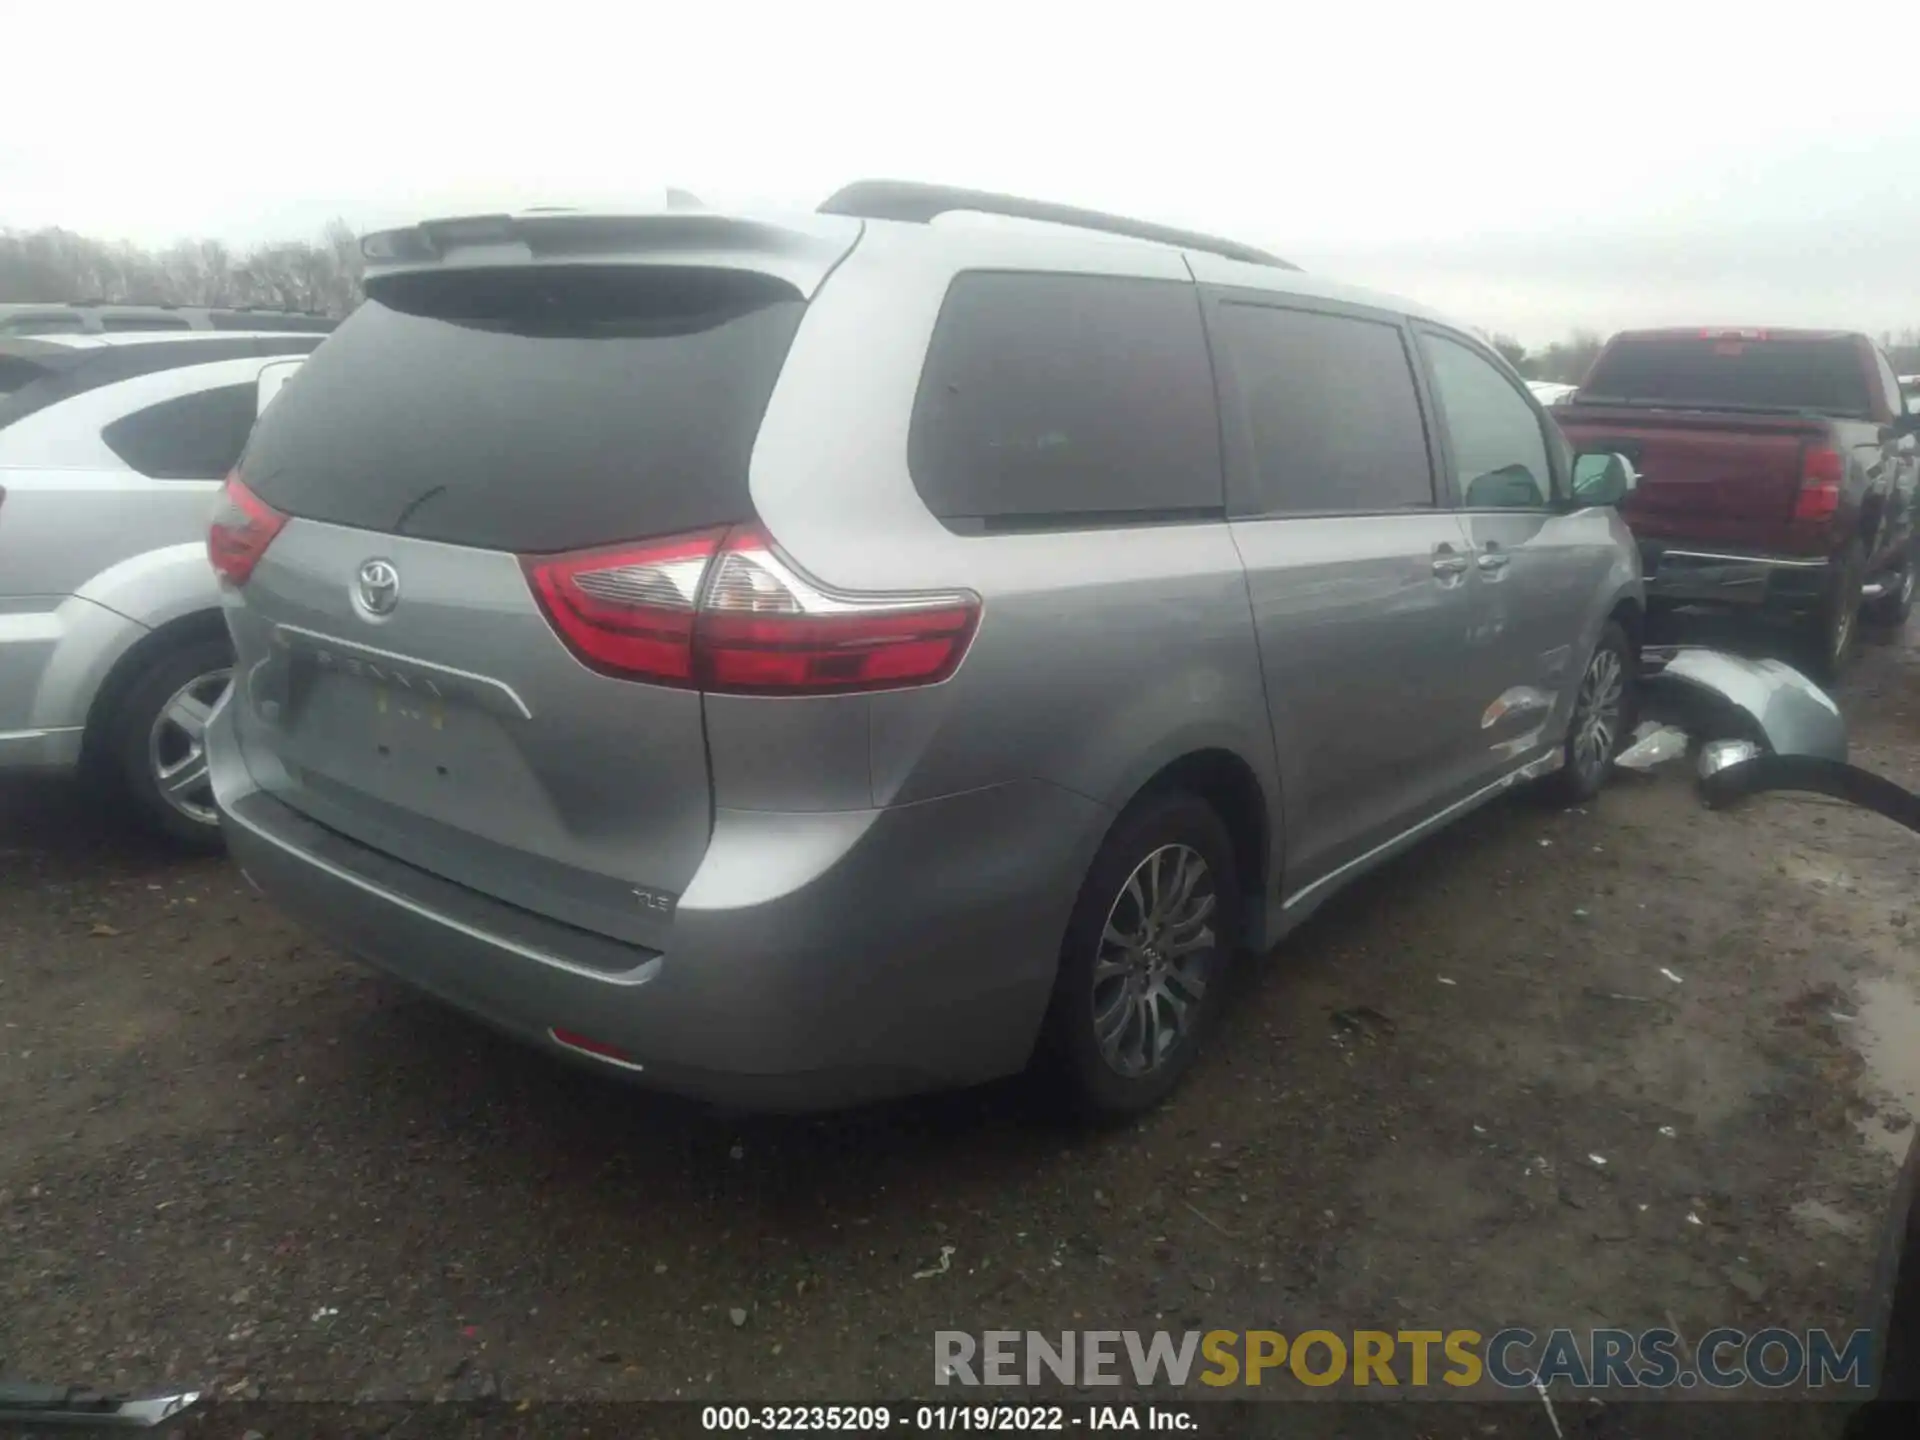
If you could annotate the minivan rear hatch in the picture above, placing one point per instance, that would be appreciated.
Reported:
(399, 682)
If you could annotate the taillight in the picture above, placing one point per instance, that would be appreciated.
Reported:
(730, 614)
(243, 526)
(764, 628)
(627, 610)
(1820, 479)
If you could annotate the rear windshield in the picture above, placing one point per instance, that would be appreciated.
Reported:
(43, 325)
(305, 324)
(1824, 376)
(17, 372)
(532, 410)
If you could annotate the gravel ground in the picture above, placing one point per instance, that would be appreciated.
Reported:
(228, 1155)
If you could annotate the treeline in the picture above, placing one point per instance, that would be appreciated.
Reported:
(321, 275)
(1567, 360)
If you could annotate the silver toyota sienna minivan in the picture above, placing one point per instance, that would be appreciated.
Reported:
(797, 660)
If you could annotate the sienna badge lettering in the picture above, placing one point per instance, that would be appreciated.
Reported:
(376, 589)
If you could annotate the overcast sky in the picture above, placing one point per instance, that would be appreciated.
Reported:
(1528, 168)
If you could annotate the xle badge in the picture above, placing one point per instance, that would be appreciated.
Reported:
(656, 902)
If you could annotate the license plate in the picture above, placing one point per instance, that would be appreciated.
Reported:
(407, 707)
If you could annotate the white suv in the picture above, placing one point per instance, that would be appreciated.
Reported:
(112, 648)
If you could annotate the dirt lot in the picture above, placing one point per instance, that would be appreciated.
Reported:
(226, 1154)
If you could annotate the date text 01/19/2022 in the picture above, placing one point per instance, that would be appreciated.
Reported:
(937, 1419)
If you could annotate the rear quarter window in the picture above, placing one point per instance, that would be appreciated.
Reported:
(191, 437)
(1064, 401)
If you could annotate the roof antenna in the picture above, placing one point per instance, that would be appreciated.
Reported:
(683, 200)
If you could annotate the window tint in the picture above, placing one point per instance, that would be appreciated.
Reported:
(193, 437)
(1494, 438)
(533, 410)
(1050, 399)
(143, 322)
(82, 370)
(17, 372)
(1328, 409)
(1707, 373)
(312, 324)
(43, 325)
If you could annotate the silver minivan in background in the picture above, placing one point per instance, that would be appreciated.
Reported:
(796, 660)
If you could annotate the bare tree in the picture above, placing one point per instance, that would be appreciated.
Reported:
(1566, 360)
(1511, 350)
(58, 265)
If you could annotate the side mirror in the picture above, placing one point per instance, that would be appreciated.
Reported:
(1603, 478)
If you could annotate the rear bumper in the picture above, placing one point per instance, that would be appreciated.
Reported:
(816, 960)
(1701, 575)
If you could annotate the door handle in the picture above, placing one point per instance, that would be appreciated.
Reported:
(1446, 563)
(1493, 560)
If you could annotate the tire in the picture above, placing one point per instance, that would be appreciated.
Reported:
(152, 735)
(1891, 610)
(1604, 710)
(1836, 628)
(1153, 1036)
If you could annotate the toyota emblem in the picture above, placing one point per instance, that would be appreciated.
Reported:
(378, 587)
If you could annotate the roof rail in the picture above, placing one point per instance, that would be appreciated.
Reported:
(917, 204)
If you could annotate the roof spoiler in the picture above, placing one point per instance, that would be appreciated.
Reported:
(801, 251)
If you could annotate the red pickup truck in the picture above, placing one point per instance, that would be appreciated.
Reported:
(1776, 472)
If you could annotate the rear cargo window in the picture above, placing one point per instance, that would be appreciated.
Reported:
(1707, 373)
(532, 410)
(1066, 400)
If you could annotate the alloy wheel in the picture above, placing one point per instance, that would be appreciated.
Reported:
(1596, 712)
(177, 746)
(1155, 960)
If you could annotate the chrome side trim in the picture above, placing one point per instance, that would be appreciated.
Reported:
(1716, 558)
(1541, 765)
(640, 975)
